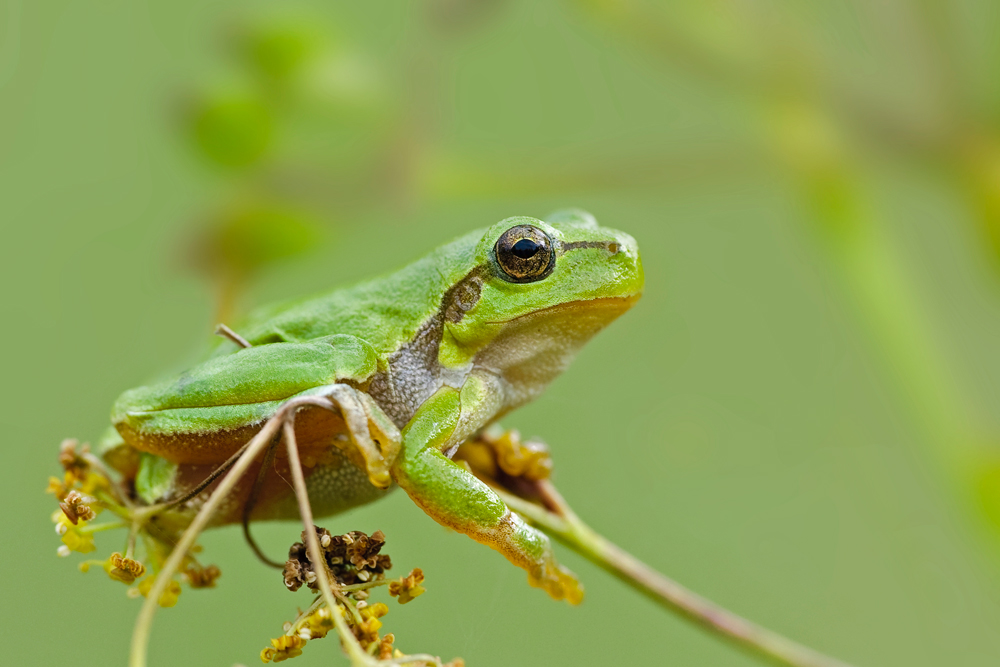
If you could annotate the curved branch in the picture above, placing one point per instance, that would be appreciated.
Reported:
(566, 527)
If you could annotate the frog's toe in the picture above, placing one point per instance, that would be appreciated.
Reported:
(377, 468)
(379, 476)
(557, 581)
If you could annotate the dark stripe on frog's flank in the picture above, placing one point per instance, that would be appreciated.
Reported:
(414, 371)
(463, 297)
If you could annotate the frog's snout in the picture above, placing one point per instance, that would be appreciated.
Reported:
(627, 264)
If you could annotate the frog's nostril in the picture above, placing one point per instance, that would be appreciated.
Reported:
(613, 248)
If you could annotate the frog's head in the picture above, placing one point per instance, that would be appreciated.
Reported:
(538, 292)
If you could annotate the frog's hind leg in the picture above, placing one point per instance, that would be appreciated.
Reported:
(455, 497)
(279, 426)
(372, 446)
(374, 439)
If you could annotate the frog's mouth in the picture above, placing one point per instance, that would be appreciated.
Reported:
(612, 306)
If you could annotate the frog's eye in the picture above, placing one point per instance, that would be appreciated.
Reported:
(525, 254)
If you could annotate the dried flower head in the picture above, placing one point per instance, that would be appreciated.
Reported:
(408, 587)
(76, 507)
(202, 577)
(71, 459)
(296, 568)
(362, 552)
(283, 648)
(351, 558)
(125, 570)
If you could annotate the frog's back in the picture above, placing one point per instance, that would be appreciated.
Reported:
(385, 311)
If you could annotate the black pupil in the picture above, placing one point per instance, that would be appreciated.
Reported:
(525, 248)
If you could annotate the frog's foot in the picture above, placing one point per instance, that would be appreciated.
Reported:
(530, 549)
(454, 497)
(386, 440)
(373, 441)
(556, 580)
(529, 459)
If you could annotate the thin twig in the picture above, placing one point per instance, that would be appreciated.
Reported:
(574, 533)
(133, 532)
(98, 527)
(296, 625)
(365, 586)
(226, 332)
(413, 658)
(251, 502)
(201, 486)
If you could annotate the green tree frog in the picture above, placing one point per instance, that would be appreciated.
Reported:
(416, 362)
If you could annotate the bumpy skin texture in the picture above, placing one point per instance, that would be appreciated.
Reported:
(422, 359)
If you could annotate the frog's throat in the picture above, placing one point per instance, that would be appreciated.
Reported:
(533, 349)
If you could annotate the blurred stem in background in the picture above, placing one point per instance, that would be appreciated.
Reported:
(564, 525)
(300, 131)
(861, 250)
(810, 122)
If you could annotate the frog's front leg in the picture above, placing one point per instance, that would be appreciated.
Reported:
(451, 495)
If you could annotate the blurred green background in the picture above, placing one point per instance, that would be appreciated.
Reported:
(799, 420)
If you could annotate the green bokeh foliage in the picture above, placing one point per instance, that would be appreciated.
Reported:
(738, 430)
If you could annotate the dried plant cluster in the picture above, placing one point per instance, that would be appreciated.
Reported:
(87, 490)
(354, 565)
(353, 562)
(343, 569)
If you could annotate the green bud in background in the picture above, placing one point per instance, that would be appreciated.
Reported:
(233, 129)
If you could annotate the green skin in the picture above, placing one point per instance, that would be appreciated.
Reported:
(418, 362)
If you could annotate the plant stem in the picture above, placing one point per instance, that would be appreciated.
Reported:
(144, 623)
(574, 533)
(297, 624)
(98, 527)
(351, 646)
